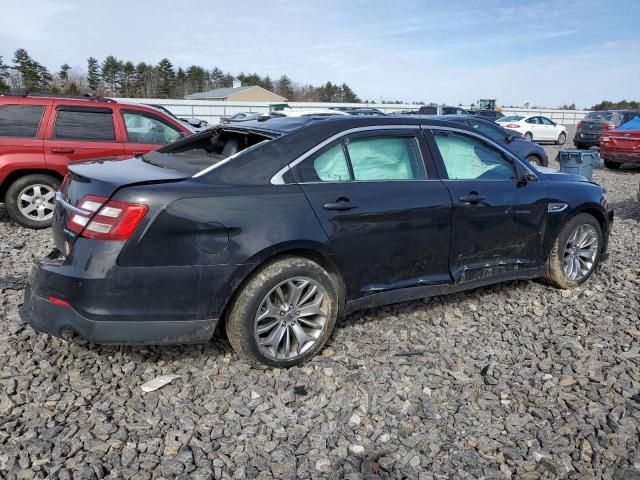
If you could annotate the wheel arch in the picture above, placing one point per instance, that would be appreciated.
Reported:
(16, 174)
(310, 250)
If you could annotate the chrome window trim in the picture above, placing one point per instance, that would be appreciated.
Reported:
(278, 179)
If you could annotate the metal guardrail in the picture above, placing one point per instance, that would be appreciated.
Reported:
(211, 111)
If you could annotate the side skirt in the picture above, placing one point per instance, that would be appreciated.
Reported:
(413, 293)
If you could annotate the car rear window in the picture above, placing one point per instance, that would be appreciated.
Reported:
(20, 121)
(79, 123)
(511, 118)
(603, 117)
(428, 111)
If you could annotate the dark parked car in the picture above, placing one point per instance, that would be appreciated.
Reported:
(241, 117)
(589, 131)
(359, 110)
(441, 110)
(490, 114)
(278, 227)
(514, 141)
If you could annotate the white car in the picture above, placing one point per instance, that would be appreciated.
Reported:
(535, 127)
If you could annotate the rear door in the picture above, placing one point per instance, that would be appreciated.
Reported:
(387, 217)
(21, 133)
(145, 131)
(80, 133)
(550, 130)
(497, 222)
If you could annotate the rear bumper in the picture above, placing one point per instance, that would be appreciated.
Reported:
(620, 157)
(580, 139)
(46, 317)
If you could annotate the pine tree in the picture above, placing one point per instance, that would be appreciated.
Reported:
(64, 71)
(35, 77)
(93, 74)
(348, 95)
(112, 74)
(4, 74)
(166, 79)
(284, 87)
(128, 79)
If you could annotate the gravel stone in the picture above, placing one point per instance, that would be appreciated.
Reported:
(518, 380)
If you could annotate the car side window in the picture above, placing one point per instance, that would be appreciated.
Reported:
(385, 157)
(534, 120)
(146, 128)
(467, 158)
(490, 130)
(84, 123)
(546, 121)
(20, 121)
(329, 165)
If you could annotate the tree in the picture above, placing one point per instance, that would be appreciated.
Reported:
(166, 79)
(33, 75)
(127, 85)
(112, 74)
(93, 74)
(284, 87)
(4, 74)
(64, 71)
(348, 95)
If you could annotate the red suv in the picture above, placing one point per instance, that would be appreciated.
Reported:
(40, 135)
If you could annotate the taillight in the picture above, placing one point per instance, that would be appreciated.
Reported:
(579, 125)
(605, 139)
(106, 219)
(608, 126)
(513, 125)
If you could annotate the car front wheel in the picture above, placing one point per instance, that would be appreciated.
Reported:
(575, 253)
(562, 138)
(30, 200)
(528, 136)
(284, 314)
(534, 160)
(612, 165)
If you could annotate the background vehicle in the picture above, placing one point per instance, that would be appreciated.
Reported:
(514, 141)
(310, 218)
(536, 128)
(194, 124)
(240, 117)
(489, 114)
(41, 134)
(441, 110)
(310, 112)
(621, 145)
(359, 110)
(594, 124)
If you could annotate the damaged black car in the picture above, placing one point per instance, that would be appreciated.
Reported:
(278, 227)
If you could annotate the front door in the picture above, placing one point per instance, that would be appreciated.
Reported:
(497, 222)
(387, 222)
(81, 133)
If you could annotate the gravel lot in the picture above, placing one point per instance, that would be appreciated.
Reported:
(511, 381)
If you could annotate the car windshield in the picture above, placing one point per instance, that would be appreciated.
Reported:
(510, 118)
(602, 117)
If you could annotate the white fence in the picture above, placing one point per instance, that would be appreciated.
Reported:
(211, 111)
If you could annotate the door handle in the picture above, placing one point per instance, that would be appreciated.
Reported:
(472, 198)
(62, 150)
(341, 205)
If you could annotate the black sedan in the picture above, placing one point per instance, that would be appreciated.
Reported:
(280, 226)
(514, 141)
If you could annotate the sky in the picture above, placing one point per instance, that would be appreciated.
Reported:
(545, 53)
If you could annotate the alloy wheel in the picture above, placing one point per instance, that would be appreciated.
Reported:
(291, 318)
(580, 252)
(36, 202)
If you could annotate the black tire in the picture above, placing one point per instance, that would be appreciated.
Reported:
(555, 273)
(534, 159)
(580, 146)
(611, 165)
(528, 137)
(562, 138)
(12, 201)
(241, 318)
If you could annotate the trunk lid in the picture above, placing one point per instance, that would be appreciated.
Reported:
(101, 178)
(624, 140)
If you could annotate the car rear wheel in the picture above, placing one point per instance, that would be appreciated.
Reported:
(528, 136)
(30, 200)
(611, 165)
(562, 138)
(284, 314)
(576, 252)
(534, 160)
(580, 146)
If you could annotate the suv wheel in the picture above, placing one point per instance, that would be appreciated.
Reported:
(534, 160)
(562, 138)
(30, 200)
(528, 137)
(284, 314)
(611, 165)
(575, 253)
